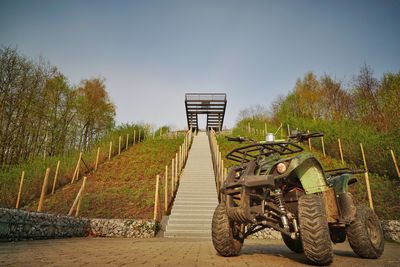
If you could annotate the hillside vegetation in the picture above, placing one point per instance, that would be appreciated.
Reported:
(35, 169)
(121, 188)
(366, 111)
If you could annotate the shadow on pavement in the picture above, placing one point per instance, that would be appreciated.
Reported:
(276, 250)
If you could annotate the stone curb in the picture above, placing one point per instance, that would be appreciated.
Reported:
(21, 225)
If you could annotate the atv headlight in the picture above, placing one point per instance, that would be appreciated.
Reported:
(281, 168)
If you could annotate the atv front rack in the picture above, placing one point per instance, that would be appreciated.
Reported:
(254, 151)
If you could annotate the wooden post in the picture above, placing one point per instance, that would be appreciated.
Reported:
(44, 188)
(119, 145)
(225, 173)
(220, 165)
(55, 178)
(222, 172)
(134, 137)
(21, 182)
(309, 141)
(172, 177)
(371, 205)
(180, 158)
(395, 163)
(77, 196)
(127, 141)
(78, 207)
(109, 151)
(265, 128)
(76, 172)
(156, 198)
(166, 189)
(139, 136)
(97, 158)
(341, 151)
(288, 130)
(176, 168)
(323, 146)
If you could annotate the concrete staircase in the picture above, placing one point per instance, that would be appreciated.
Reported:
(196, 198)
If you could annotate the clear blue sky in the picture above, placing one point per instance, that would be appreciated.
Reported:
(152, 52)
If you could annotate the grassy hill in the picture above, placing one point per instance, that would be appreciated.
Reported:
(121, 188)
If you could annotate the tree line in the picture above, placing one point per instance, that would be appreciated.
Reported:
(42, 114)
(367, 99)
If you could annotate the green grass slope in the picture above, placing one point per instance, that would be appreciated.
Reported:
(121, 188)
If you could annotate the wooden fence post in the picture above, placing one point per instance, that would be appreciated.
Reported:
(55, 177)
(166, 189)
(44, 188)
(156, 198)
(309, 141)
(127, 141)
(119, 145)
(172, 177)
(78, 207)
(395, 163)
(139, 136)
(134, 137)
(21, 182)
(76, 172)
(222, 172)
(180, 158)
(109, 151)
(341, 151)
(176, 169)
(97, 159)
(367, 179)
(265, 128)
(77, 196)
(323, 146)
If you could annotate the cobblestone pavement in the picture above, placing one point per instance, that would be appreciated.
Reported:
(169, 252)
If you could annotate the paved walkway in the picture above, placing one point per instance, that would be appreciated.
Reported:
(169, 252)
(196, 198)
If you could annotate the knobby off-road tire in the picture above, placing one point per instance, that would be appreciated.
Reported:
(224, 240)
(294, 245)
(365, 234)
(314, 229)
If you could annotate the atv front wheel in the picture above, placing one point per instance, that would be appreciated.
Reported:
(224, 235)
(294, 245)
(365, 234)
(314, 229)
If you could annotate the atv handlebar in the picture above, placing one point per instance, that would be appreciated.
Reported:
(303, 136)
(240, 139)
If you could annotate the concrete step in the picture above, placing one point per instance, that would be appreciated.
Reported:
(196, 199)
(189, 227)
(196, 202)
(190, 220)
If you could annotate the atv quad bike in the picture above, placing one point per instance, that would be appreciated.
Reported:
(277, 185)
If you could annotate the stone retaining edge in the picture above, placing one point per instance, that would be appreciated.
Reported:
(21, 225)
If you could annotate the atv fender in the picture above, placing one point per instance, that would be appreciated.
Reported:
(310, 173)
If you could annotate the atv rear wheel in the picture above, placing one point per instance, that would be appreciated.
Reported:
(294, 245)
(314, 229)
(365, 234)
(224, 235)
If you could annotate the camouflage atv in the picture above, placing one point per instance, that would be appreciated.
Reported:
(277, 185)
